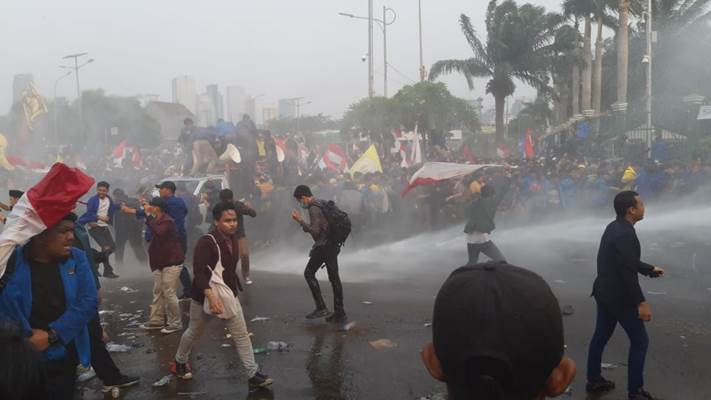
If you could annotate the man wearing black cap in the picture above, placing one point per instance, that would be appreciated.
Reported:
(14, 198)
(619, 297)
(497, 334)
(176, 208)
(322, 252)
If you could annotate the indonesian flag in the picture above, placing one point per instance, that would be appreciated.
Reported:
(334, 159)
(433, 172)
(26, 165)
(119, 153)
(503, 151)
(280, 149)
(42, 207)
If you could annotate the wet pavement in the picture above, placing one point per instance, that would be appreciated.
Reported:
(389, 295)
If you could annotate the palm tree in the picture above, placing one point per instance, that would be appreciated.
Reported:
(623, 48)
(583, 9)
(519, 45)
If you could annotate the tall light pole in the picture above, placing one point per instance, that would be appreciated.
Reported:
(648, 60)
(371, 78)
(54, 105)
(423, 71)
(384, 25)
(76, 68)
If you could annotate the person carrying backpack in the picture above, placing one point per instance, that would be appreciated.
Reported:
(329, 227)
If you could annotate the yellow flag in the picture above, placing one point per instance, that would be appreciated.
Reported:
(4, 163)
(32, 104)
(368, 162)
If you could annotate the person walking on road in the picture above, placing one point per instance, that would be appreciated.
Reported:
(619, 297)
(323, 252)
(216, 258)
(98, 216)
(242, 210)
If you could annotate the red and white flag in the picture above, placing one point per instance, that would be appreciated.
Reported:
(433, 172)
(280, 149)
(119, 153)
(503, 151)
(334, 159)
(42, 207)
(528, 149)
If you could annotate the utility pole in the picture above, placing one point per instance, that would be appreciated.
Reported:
(423, 71)
(371, 79)
(76, 68)
(54, 106)
(648, 58)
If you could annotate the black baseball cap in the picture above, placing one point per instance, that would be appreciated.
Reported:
(159, 202)
(498, 321)
(167, 185)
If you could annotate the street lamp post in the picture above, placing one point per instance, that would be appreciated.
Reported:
(422, 62)
(54, 105)
(384, 25)
(648, 60)
(76, 68)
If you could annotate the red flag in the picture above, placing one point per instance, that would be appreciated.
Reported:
(119, 152)
(468, 155)
(528, 144)
(57, 193)
(503, 151)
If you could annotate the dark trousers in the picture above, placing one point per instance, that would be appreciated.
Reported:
(607, 320)
(133, 238)
(319, 257)
(488, 248)
(62, 376)
(184, 273)
(101, 360)
(102, 236)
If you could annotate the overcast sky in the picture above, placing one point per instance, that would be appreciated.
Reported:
(275, 48)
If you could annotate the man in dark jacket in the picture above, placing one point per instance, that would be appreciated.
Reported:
(166, 258)
(226, 195)
(322, 252)
(128, 229)
(218, 249)
(480, 224)
(619, 297)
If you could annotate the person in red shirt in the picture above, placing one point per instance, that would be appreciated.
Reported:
(166, 258)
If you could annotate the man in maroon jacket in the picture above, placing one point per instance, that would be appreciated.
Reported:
(166, 258)
(221, 245)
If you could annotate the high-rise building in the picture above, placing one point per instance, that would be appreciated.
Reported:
(214, 92)
(269, 113)
(236, 98)
(19, 83)
(185, 93)
(207, 115)
(287, 108)
(250, 108)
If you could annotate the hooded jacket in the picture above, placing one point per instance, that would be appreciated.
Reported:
(81, 303)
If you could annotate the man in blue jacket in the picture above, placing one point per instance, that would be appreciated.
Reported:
(48, 289)
(98, 217)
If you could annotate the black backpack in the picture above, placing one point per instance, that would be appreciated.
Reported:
(339, 224)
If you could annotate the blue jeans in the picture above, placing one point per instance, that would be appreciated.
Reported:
(607, 320)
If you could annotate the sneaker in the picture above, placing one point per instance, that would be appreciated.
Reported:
(248, 281)
(182, 371)
(318, 313)
(259, 380)
(122, 382)
(151, 326)
(641, 395)
(337, 317)
(110, 275)
(84, 374)
(601, 386)
(169, 329)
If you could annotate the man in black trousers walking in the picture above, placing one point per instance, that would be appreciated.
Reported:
(619, 297)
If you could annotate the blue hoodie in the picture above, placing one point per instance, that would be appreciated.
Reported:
(81, 303)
